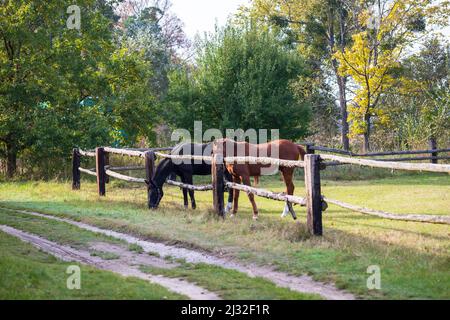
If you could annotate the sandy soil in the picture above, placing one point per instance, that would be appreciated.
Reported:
(303, 283)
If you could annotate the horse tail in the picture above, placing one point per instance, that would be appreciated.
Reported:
(302, 151)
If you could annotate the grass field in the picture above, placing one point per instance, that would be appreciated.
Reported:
(229, 284)
(27, 273)
(414, 258)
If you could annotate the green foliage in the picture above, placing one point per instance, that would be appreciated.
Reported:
(420, 109)
(48, 72)
(242, 79)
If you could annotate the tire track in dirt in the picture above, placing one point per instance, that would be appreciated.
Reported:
(66, 253)
(303, 284)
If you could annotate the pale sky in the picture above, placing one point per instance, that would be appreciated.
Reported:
(200, 16)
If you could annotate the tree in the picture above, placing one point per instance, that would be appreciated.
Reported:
(41, 60)
(420, 107)
(64, 87)
(242, 79)
(386, 29)
(149, 26)
(318, 28)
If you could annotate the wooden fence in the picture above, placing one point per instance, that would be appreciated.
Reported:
(433, 157)
(314, 201)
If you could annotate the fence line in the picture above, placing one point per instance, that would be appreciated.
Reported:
(313, 163)
(86, 153)
(124, 177)
(265, 161)
(206, 187)
(129, 168)
(389, 164)
(267, 194)
(376, 154)
(246, 159)
(392, 216)
(125, 152)
(92, 173)
(184, 157)
(414, 159)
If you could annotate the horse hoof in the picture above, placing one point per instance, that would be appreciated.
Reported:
(228, 207)
(255, 218)
(232, 215)
(283, 215)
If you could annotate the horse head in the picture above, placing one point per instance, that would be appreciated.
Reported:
(155, 194)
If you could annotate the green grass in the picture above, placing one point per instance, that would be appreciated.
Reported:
(105, 255)
(27, 273)
(135, 248)
(414, 257)
(229, 284)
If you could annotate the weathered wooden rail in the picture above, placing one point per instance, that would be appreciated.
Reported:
(434, 157)
(389, 164)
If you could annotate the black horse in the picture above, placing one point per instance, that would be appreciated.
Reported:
(185, 170)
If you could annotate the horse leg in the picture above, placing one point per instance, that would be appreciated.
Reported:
(229, 205)
(251, 197)
(185, 197)
(191, 192)
(288, 174)
(235, 197)
(230, 201)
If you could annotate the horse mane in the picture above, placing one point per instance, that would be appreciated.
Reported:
(163, 170)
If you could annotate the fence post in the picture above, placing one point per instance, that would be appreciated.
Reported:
(217, 168)
(433, 146)
(76, 161)
(308, 148)
(313, 194)
(100, 169)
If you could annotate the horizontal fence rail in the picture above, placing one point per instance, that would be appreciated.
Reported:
(266, 161)
(130, 168)
(249, 160)
(183, 157)
(88, 171)
(124, 177)
(392, 216)
(86, 153)
(206, 187)
(389, 165)
(376, 154)
(414, 159)
(267, 194)
(125, 152)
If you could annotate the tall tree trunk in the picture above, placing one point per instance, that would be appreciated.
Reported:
(11, 160)
(366, 145)
(342, 81)
(343, 106)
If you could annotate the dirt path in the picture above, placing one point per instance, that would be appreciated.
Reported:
(125, 266)
(304, 284)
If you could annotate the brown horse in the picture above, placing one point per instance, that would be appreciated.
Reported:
(241, 172)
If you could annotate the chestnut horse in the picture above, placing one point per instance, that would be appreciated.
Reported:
(241, 172)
